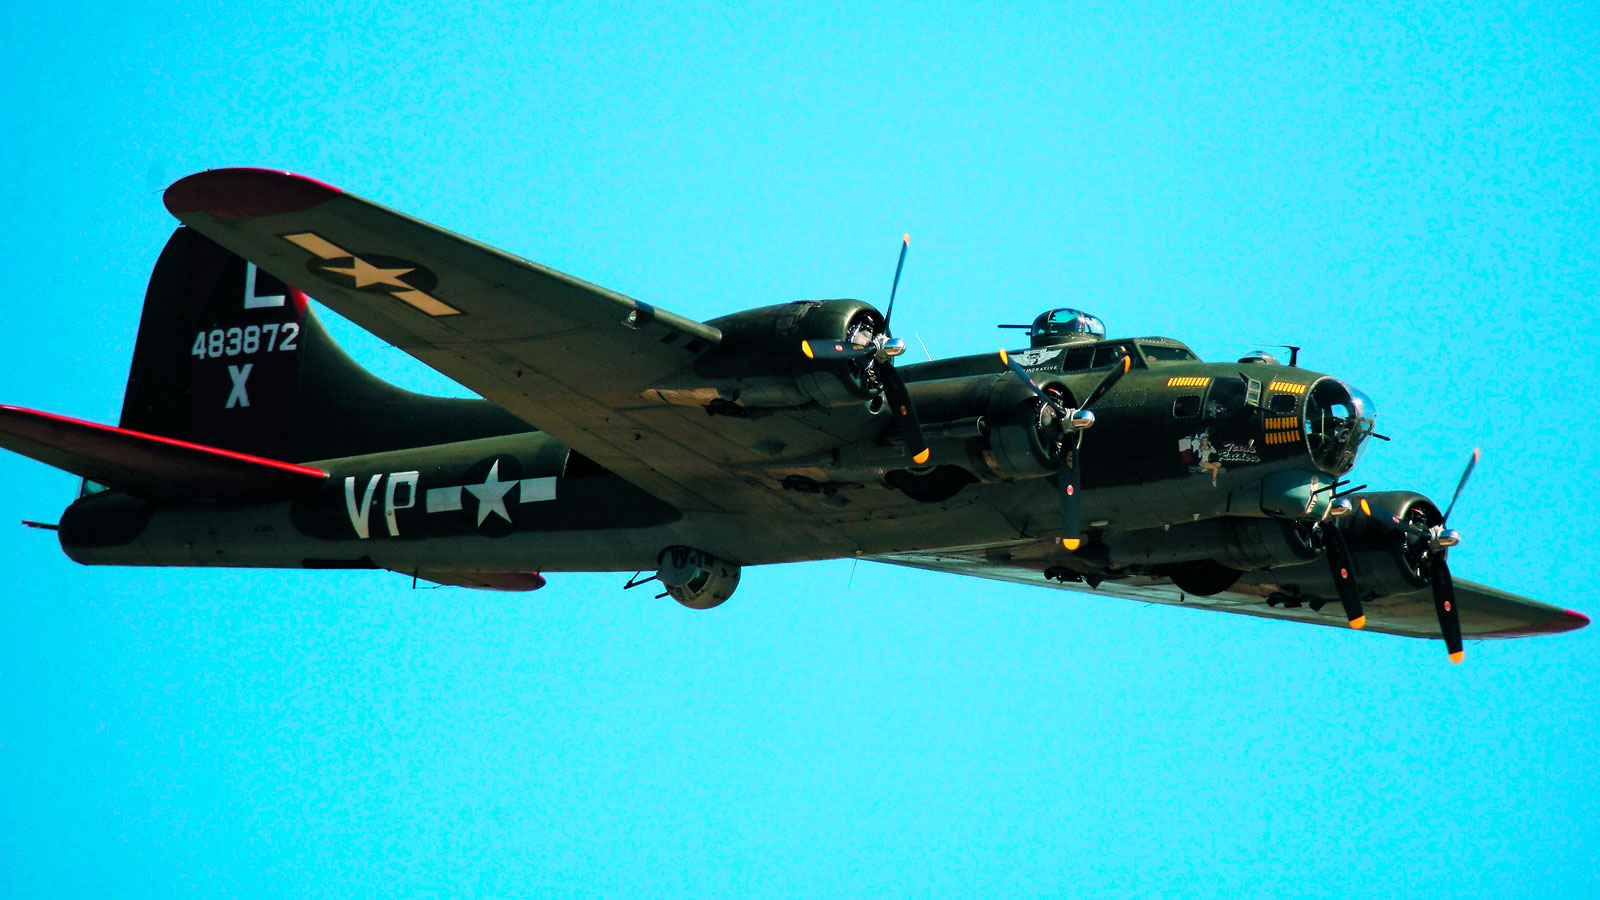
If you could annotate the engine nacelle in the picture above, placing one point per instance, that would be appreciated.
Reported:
(758, 363)
(695, 578)
(1389, 560)
(1024, 433)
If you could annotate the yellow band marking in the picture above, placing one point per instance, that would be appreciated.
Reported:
(426, 303)
(317, 245)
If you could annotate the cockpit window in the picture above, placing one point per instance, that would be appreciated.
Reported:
(1164, 353)
(1096, 356)
(1109, 354)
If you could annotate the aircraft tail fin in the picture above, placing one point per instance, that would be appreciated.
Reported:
(232, 358)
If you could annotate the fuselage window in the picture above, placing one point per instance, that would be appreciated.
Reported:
(1186, 407)
(1226, 398)
(1284, 403)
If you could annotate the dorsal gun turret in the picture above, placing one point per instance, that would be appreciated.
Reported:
(1063, 326)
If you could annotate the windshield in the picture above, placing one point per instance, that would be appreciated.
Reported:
(1338, 420)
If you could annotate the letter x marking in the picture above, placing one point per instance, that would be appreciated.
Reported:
(238, 397)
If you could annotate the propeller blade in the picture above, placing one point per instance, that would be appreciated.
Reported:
(1027, 379)
(905, 244)
(1461, 484)
(905, 415)
(835, 350)
(1108, 382)
(1344, 574)
(1444, 603)
(1067, 479)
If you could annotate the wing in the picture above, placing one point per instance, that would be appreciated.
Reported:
(1485, 611)
(572, 359)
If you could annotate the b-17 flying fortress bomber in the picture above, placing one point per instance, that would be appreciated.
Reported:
(616, 436)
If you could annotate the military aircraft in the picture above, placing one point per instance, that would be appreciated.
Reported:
(617, 436)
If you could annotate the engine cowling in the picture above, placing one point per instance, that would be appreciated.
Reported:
(1024, 433)
(1388, 559)
(758, 363)
(697, 579)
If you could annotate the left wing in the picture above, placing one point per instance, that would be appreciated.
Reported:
(1486, 612)
(571, 358)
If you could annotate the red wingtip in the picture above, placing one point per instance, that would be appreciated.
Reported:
(245, 193)
(1568, 620)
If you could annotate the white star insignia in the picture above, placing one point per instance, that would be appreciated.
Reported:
(492, 494)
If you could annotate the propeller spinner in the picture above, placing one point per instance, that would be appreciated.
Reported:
(881, 349)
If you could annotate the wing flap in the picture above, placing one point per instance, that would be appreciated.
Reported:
(148, 465)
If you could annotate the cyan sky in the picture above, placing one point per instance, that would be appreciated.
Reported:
(1410, 192)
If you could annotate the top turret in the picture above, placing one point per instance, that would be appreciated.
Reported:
(1065, 325)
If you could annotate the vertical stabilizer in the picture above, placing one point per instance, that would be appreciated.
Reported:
(229, 356)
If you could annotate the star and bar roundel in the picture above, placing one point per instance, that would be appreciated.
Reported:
(493, 491)
(373, 273)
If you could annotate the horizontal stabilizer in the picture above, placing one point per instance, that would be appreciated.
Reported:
(147, 465)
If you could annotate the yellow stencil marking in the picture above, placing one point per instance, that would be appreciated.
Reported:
(1188, 381)
(425, 303)
(1288, 387)
(317, 245)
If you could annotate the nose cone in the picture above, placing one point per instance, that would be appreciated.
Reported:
(1338, 420)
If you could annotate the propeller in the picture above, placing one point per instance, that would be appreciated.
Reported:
(1435, 542)
(881, 349)
(1343, 567)
(1440, 540)
(1073, 421)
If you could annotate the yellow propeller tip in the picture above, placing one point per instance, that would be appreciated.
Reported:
(1458, 656)
(922, 457)
(1365, 509)
(805, 347)
(1004, 358)
(906, 240)
(1358, 623)
(1071, 543)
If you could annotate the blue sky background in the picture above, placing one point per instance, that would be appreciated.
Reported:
(1409, 190)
